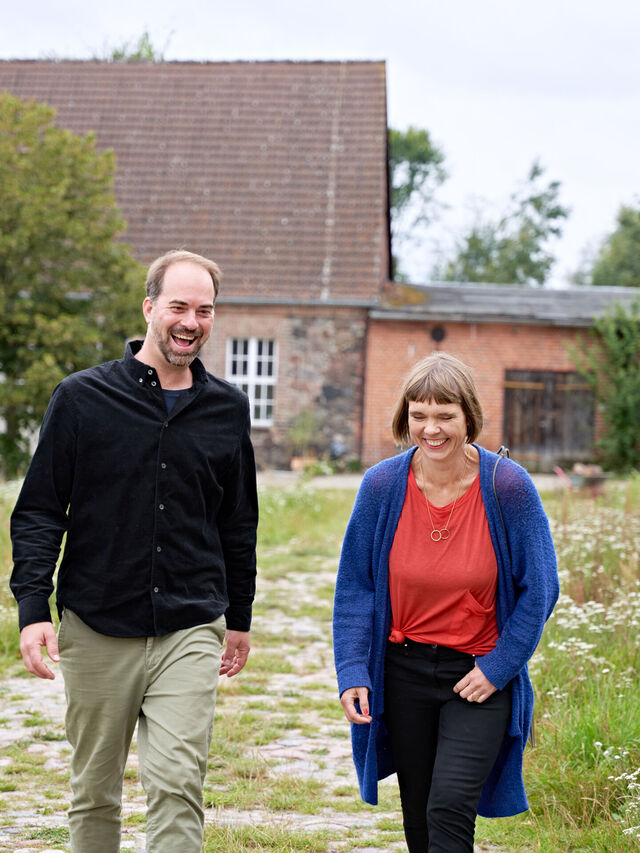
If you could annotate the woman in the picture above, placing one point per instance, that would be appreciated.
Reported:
(446, 578)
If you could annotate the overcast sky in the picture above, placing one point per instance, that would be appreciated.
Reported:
(498, 83)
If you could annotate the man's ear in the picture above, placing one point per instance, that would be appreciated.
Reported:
(147, 308)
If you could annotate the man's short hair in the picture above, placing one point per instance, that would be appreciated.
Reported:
(157, 270)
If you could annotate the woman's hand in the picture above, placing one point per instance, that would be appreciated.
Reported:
(475, 686)
(349, 698)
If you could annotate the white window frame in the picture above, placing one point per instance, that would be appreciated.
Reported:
(255, 373)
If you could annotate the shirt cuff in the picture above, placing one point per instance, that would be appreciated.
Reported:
(33, 609)
(238, 617)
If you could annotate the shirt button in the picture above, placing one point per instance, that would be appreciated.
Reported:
(155, 589)
(141, 379)
(158, 549)
(150, 372)
(161, 506)
(163, 464)
(154, 383)
(166, 424)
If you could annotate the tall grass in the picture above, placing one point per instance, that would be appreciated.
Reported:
(583, 777)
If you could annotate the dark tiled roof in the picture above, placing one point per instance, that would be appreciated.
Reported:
(275, 169)
(486, 303)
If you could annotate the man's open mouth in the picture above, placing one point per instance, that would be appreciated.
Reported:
(182, 340)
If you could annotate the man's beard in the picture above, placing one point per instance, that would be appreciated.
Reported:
(164, 343)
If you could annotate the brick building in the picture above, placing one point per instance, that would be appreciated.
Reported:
(278, 171)
(516, 339)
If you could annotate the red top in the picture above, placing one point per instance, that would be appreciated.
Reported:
(444, 592)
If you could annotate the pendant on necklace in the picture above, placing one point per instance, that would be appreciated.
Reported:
(443, 533)
(437, 535)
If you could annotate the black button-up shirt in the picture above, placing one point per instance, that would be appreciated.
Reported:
(160, 510)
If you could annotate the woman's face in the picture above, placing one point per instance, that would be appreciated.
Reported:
(439, 429)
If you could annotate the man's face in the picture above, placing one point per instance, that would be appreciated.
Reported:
(181, 318)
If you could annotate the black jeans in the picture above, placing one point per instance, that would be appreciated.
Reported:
(443, 746)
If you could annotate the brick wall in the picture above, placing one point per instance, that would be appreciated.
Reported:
(320, 368)
(490, 349)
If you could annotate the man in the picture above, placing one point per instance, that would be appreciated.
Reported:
(146, 463)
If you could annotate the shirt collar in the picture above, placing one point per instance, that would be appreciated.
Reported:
(144, 373)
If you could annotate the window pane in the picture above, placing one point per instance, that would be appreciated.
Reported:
(251, 366)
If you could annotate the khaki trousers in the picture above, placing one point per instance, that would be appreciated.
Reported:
(168, 686)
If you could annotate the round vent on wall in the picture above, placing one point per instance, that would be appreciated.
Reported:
(438, 334)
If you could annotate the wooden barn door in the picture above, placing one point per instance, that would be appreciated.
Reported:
(548, 418)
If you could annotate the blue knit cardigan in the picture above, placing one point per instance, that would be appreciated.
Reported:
(526, 593)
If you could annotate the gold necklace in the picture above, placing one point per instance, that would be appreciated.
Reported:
(443, 533)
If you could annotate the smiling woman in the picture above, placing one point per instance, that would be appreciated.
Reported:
(448, 551)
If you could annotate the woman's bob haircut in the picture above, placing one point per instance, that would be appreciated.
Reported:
(438, 378)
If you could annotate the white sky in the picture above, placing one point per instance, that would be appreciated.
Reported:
(497, 83)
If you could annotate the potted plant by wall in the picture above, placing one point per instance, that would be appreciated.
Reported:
(303, 434)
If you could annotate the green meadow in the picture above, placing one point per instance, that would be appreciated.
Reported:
(280, 777)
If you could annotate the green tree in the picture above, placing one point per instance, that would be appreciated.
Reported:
(416, 171)
(610, 362)
(514, 249)
(69, 293)
(618, 262)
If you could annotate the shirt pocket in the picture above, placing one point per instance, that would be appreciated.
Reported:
(471, 620)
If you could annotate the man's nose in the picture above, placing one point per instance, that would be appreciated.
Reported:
(190, 319)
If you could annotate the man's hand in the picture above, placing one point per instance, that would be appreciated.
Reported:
(235, 653)
(32, 639)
